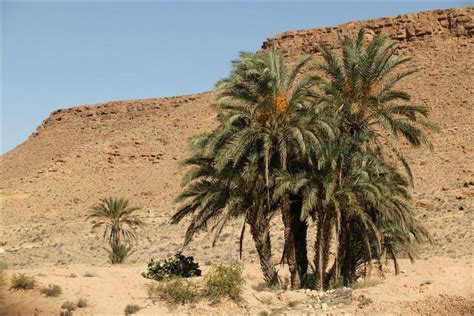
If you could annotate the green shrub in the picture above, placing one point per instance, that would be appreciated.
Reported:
(68, 305)
(118, 253)
(177, 266)
(52, 290)
(23, 282)
(131, 309)
(81, 303)
(225, 281)
(175, 291)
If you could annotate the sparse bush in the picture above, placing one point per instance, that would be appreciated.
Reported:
(3, 266)
(65, 313)
(365, 283)
(73, 275)
(175, 291)
(177, 266)
(118, 253)
(52, 290)
(81, 303)
(131, 309)
(23, 282)
(225, 281)
(88, 274)
(68, 305)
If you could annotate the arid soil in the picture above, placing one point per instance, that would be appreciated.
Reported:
(134, 148)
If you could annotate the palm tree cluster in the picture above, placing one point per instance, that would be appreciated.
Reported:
(312, 142)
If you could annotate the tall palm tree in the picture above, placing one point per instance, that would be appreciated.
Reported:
(213, 196)
(359, 92)
(362, 88)
(366, 203)
(266, 123)
(118, 218)
(275, 122)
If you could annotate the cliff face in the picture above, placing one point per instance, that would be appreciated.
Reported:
(404, 28)
(133, 148)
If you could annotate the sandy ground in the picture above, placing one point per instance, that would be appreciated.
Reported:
(431, 285)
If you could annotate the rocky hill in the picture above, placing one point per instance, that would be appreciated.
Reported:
(133, 148)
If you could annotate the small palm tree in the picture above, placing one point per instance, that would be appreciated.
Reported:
(118, 218)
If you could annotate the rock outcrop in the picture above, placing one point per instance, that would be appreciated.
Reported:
(405, 28)
(115, 109)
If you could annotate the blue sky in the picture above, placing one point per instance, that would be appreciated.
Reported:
(61, 54)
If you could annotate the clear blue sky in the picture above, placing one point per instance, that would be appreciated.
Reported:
(57, 54)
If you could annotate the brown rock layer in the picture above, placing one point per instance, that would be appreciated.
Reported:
(404, 28)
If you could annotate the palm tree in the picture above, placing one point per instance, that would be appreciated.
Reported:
(362, 88)
(345, 190)
(118, 218)
(275, 121)
(213, 196)
(266, 123)
(366, 203)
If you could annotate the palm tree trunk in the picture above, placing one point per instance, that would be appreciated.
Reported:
(395, 262)
(115, 235)
(318, 258)
(344, 266)
(289, 233)
(321, 246)
(289, 247)
(300, 229)
(259, 228)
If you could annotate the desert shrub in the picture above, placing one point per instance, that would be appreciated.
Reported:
(89, 274)
(81, 303)
(177, 266)
(65, 313)
(365, 283)
(118, 253)
(52, 290)
(23, 282)
(131, 309)
(68, 305)
(225, 281)
(3, 266)
(175, 291)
